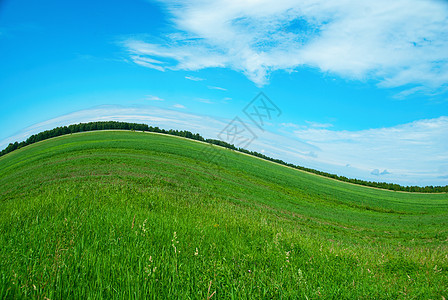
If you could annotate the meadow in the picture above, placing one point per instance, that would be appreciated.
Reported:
(121, 214)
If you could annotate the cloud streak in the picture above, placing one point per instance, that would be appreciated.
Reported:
(193, 78)
(395, 43)
(154, 98)
(179, 106)
(216, 88)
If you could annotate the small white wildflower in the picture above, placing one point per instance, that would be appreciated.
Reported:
(175, 242)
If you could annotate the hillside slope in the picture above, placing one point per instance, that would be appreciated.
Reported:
(131, 214)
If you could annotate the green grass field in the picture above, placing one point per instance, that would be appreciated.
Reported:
(139, 215)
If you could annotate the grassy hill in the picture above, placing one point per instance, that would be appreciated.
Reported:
(118, 214)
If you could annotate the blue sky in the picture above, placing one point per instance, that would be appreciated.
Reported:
(362, 87)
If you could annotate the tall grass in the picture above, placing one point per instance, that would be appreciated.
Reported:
(138, 215)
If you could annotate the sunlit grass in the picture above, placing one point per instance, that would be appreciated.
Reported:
(139, 215)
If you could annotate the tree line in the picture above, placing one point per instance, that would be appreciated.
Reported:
(105, 125)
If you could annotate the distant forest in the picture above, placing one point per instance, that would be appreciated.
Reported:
(91, 126)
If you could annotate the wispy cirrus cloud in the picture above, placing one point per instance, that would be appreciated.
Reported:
(319, 125)
(179, 106)
(193, 78)
(309, 124)
(289, 125)
(203, 100)
(154, 98)
(148, 62)
(216, 88)
(397, 43)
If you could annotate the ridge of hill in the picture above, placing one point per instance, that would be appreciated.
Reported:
(108, 125)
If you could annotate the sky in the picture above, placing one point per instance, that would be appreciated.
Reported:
(356, 88)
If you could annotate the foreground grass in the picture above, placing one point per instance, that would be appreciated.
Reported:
(139, 215)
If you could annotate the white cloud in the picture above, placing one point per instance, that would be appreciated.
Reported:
(179, 106)
(148, 62)
(414, 150)
(395, 42)
(204, 100)
(193, 78)
(216, 88)
(154, 98)
(420, 90)
(319, 125)
(309, 124)
(289, 125)
(375, 172)
(405, 93)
